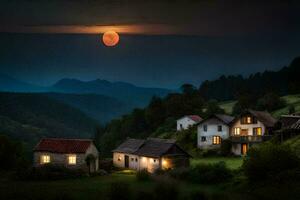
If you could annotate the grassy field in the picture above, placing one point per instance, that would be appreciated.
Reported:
(290, 100)
(232, 163)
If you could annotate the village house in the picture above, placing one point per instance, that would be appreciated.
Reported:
(70, 153)
(150, 154)
(250, 128)
(289, 126)
(214, 129)
(187, 121)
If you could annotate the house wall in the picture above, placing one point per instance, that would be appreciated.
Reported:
(250, 127)
(62, 159)
(186, 123)
(212, 130)
(133, 160)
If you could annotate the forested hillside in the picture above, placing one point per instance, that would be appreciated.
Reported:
(99, 107)
(283, 82)
(28, 117)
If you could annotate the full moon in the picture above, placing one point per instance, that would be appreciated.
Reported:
(110, 38)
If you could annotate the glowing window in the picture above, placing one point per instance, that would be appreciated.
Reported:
(257, 131)
(119, 158)
(44, 159)
(237, 131)
(72, 159)
(216, 140)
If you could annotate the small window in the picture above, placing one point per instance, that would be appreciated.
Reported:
(136, 159)
(220, 128)
(154, 160)
(203, 139)
(237, 131)
(119, 158)
(216, 140)
(181, 127)
(44, 159)
(246, 120)
(132, 159)
(72, 159)
(205, 127)
(257, 131)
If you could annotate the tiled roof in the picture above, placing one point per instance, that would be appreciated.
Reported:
(152, 147)
(129, 146)
(195, 118)
(265, 117)
(226, 119)
(56, 145)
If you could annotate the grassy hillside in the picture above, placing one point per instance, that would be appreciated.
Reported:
(290, 100)
(294, 144)
(29, 117)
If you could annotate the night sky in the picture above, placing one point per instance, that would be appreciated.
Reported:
(162, 43)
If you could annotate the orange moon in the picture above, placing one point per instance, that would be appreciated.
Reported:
(110, 38)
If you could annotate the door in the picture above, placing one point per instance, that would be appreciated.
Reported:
(126, 161)
(244, 149)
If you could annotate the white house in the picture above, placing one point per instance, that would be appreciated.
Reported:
(213, 130)
(187, 121)
(250, 128)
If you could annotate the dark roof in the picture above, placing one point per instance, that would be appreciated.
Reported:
(129, 146)
(55, 145)
(152, 147)
(226, 119)
(286, 121)
(264, 117)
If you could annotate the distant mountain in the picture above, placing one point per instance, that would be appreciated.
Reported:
(99, 107)
(29, 117)
(125, 92)
(9, 84)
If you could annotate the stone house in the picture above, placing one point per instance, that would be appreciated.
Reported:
(70, 153)
(150, 154)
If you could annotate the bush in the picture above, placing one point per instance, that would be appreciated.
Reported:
(166, 189)
(143, 175)
(226, 148)
(119, 191)
(269, 161)
(197, 196)
(48, 172)
(179, 173)
(210, 153)
(106, 164)
(210, 173)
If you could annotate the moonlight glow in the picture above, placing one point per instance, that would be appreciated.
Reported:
(110, 38)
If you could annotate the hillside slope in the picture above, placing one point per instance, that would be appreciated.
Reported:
(31, 116)
(99, 107)
(289, 99)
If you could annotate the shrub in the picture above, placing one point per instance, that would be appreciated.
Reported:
(268, 161)
(197, 196)
(210, 173)
(166, 189)
(179, 173)
(48, 172)
(119, 191)
(226, 147)
(143, 175)
(210, 153)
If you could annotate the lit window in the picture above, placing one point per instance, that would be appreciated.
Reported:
(119, 158)
(248, 120)
(216, 140)
(72, 159)
(44, 159)
(257, 131)
(237, 131)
